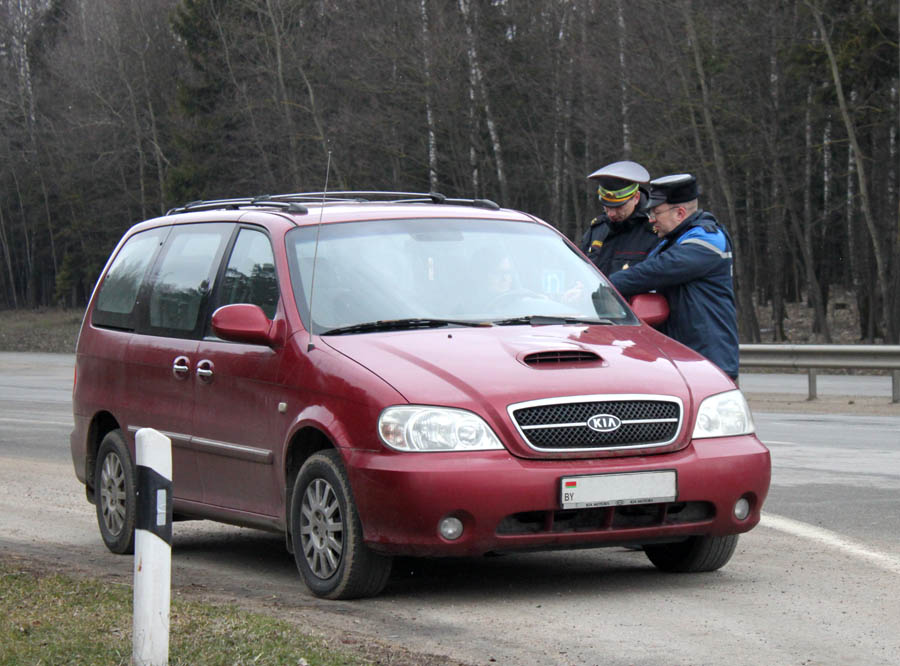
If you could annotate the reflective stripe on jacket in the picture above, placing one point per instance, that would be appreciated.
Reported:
(692, 268)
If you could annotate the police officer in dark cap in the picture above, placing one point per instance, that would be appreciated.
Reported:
(621, 237)
(692, 268)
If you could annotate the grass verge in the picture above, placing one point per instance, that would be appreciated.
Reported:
(49, 618)
(50, 330)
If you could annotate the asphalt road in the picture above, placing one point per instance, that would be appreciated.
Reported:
(818, 582)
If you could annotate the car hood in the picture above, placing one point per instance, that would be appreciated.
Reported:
(486, 369)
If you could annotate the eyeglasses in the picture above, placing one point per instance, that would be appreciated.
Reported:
(656, 212)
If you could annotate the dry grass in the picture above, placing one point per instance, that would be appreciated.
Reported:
(51, 613)
(48, 330)
(51, 618)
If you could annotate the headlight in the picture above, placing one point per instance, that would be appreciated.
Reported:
(723, 415)
(420, 428)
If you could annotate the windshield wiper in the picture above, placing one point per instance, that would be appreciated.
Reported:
(545, 320)
(402, 324)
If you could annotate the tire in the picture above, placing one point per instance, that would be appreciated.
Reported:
(694, 555)
(116, 504)
(327, 535)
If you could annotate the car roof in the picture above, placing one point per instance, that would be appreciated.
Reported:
(311, 208)
(298, 201)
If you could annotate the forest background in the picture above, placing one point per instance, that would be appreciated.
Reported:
(787, 111)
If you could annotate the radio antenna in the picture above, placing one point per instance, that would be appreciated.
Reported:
(312, 281)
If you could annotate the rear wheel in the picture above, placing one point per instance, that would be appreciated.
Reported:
(696, 554)
(327, 535)
(116, 504)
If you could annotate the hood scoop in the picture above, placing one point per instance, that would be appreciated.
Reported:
(555, 358)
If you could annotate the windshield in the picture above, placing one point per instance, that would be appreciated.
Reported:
(382, 274)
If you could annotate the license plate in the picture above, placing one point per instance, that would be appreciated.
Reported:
(580, 492)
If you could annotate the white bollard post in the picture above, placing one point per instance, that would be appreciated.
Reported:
(152, 548)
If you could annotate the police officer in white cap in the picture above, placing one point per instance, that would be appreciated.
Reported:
(621, 237)
(692, 268)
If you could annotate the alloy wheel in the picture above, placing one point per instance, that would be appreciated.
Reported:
(112, 494)
(321, 528)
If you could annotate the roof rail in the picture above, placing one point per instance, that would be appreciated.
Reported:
(235, 204)
(293, 203)
(387, 197)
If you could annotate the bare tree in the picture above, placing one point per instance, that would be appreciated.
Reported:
(479, 91)
(805, 233)
(859, 165)
(746, 312)
(624, 76)
(429, 108)
(114, 111)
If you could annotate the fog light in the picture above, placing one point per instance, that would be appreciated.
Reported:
(742, 508)
(451, 528)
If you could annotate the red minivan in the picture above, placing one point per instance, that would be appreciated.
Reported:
(380, 374)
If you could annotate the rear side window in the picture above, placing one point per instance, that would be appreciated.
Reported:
(250, 273)
(181, 280)
(117, 298)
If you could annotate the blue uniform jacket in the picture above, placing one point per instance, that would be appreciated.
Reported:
(692, 268)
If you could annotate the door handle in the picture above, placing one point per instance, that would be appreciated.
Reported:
(181, 367)
(205, 370)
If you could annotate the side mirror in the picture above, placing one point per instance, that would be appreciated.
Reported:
(242, 322)
(652, 309)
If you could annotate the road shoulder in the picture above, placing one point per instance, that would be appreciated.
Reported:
(831, 404)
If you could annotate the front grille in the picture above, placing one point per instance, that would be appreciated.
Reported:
(562, 425)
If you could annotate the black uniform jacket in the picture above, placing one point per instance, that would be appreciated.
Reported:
(613, 246)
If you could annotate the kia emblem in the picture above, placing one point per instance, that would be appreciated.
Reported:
(604, 422)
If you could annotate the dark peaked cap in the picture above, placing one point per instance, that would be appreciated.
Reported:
(675, 189)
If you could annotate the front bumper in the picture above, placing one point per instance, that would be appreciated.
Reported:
(507, 503)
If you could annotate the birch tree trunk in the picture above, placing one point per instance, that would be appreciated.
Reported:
(688, 96)
(284, 102)
(28, 283)
(4, 241)
(894, 315)
(852, 250)
(429, 110)
(241, 94)
(623, 81)
(477, 81)
(826, 184)
(587, 166)
(159, 158)
(561, 119)
(820, 324)
(137, 134)
(776, 218)
(473, 135)
(22, 18)
(881, 268)
(747, 322)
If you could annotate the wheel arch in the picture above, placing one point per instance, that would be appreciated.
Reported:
(307, 441)
(102, 423)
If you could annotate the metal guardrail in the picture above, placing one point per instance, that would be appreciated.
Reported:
(816, 357)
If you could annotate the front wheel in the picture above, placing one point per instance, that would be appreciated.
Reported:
(327, 535)
(693, 555)
(114, 493)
